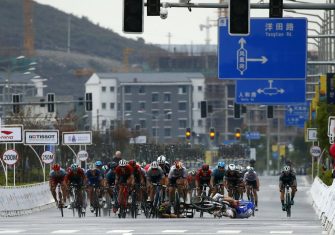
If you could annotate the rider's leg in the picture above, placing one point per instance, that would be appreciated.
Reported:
(53, 190)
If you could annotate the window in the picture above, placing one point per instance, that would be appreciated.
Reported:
(103, 89)
(141, 90)
(182, 123)
(167, 132)
(200, 123)
(155, 114)
(103, 105)
(167, 97)
(111, 89)
(182, 90)
(142, 105)
(128, 123)
(127, 89)
(182, 106)
(104, 122)
(154, 131)
(199, 88)
(127, 106)
(154, 97)
(167, 114)
(143, 123)
(112, 105)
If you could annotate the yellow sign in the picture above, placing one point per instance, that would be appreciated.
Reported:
(282, 150)
(274, 148)
(323, 85)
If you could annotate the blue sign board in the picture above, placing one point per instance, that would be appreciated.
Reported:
(276, 48)
(253, 135)
(270, 91)
(296, 115)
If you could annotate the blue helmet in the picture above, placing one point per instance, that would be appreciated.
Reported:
(221, 164)
(98, 163)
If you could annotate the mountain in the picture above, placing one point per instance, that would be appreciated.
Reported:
(92, 47)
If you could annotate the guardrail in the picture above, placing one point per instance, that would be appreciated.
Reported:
(21, 200)
(323, 202)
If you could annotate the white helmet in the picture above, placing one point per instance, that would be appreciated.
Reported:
(287, 168)
(154, 165)
(161, 159)
(122, 162)
(231, 167)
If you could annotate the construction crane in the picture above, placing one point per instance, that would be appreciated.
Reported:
(28, 44)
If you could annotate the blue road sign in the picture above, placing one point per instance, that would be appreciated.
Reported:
(276, 48)
(296, 115)
(270, 91)
(253, 135)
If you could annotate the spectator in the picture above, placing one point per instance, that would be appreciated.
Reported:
(117, 157)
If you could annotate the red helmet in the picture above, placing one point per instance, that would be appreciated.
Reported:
(56, 167)
(205, 167)
(132, 163)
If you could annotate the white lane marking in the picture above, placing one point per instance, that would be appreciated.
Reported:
(10, 231)
(174, 231)
(65, 231)
(119, 231)
(281, 232)
(229, 231)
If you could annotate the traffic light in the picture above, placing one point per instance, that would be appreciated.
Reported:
(16, 101)
(203, 108)
(88, 102)
(188, 133)
(133, 16)
(51, 104)
(269, 112)
(276, 9)
(153, 7)
(212, 133)
(237, 133)
(239, 17)
(237, 110)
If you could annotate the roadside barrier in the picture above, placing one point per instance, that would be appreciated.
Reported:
(21, 200)
(323, 202)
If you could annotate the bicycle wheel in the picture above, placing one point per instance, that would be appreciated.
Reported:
(202, 203)
(133, 207)
(288, 204)
(60, 201)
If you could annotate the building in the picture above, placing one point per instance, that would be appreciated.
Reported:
(159, 105)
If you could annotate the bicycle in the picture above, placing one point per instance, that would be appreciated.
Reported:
(287, 200)
(133, 205)
(78, 203)
(96, 200)
(234, 192)
(158, 199)
(177, 205)
(204, 194)
(60, 203)
(217, 208)
(251, 196)
(123, 201)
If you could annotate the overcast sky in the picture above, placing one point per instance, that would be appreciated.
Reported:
(182, 24)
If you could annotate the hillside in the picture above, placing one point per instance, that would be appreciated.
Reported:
(92, 46)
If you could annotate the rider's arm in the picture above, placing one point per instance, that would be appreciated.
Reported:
(212, 181)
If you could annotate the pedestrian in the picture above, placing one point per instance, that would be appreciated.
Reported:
(117, 157)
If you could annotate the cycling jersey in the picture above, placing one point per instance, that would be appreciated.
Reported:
(218, 175)
(287, 178)
(110, 176)
(57, 176)
(250, 176)
(155, 175)
(77, 177)
(166, 168)
(137, 172)
(123, 173)
(94, 176)
(203, 177)
(177, 173)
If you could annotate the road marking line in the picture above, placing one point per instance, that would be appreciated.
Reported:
(119, 231)
(11, 231)
(324, 232)
(281, 232)
(174, 231)
(229, 231)
(65, 231)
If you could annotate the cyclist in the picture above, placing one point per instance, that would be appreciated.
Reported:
(217, 178)
(161, 160)
(123, 177)
(287, 178)
(110, 181)
(139, 178)
(177, 176)
(234, 180)
(75, 176)
(154, 175)
(94, 178)
(251, 179)
(57, 176)
(203, 177)
(191, 178)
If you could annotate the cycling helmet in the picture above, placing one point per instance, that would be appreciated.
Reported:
(205, 167)
(104, 167)
(286, 169)
(74, 166)
(161, 159)
(178, 164)
(98, 163)
(251, 169)
(56, 167)
(112, 165)
(231, 167)
(143, 164)
(122, 162)
(154, 165)
(132, 163)
(221, 164)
